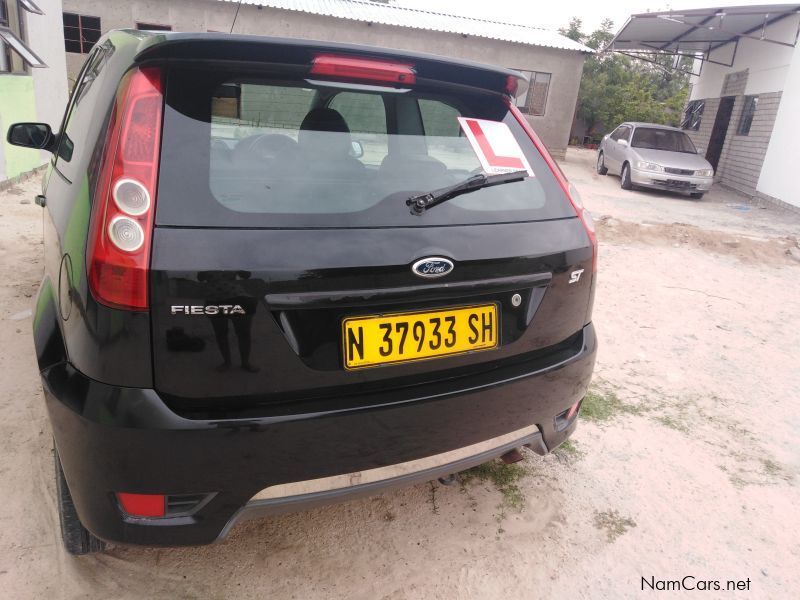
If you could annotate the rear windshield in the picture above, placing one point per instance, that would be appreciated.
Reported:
(249, 150)
(662, 139)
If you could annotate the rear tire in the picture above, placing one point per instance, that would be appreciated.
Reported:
(601, 164)
(625, 177)
(696, 195)
(77, 539)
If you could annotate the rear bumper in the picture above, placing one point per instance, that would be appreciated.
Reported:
(303, 495)
(674, 183)
(113, 439)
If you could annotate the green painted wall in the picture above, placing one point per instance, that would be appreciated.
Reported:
(17, 103)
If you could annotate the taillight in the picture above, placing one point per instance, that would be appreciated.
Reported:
(365, 69)
(121, 227)
(569, 189)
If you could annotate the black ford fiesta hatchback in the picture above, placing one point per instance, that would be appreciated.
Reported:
(282, 273)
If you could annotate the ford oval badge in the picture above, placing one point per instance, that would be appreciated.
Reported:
(433, 266)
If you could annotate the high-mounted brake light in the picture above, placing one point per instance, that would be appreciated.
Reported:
(569, 189)
(365, 69)
(118, 257)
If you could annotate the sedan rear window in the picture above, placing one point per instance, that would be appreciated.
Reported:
(249, 150)
(662, 139)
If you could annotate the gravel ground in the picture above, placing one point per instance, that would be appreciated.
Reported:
(686, 462)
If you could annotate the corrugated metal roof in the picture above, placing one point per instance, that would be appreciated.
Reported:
(702, 30)
(400, 16)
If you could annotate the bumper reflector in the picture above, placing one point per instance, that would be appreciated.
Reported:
(566, 418)
(573, 409)
(142, 505)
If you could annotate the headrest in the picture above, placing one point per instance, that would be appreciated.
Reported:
(324, 119)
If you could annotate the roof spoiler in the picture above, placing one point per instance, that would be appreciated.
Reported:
(302, 53)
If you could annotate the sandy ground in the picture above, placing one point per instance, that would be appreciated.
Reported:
(694, 470)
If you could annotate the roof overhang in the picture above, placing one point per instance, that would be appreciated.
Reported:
(386, 13)
(707, 34)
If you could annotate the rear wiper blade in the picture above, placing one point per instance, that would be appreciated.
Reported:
(419, 204)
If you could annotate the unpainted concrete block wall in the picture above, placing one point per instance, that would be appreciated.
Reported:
(743, 155)
(703, 135)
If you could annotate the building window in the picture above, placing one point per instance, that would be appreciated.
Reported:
(748, 112)
(10, 27)
(534, 102)
(15, 56)
(80, 32)
(693, 115)
(153, 27)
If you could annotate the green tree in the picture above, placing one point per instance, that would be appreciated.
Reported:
(616, 88)
(573, 30)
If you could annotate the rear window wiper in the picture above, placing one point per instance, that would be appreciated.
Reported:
(419, 204)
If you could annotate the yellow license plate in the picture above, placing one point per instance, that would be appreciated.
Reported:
(375, 340)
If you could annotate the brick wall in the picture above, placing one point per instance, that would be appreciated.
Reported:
(702, 135)
(743, 155)
(734, 84)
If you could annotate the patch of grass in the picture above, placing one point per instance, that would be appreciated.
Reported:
(673, 423)
(737, 480)
(569, 451)
(504, 478)
(614, 524)
(600, 406)
(771, 468)
(774, 471)
(569, 447)
(752, 470)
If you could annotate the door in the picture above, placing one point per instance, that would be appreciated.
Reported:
(720, 130)
(616, 149)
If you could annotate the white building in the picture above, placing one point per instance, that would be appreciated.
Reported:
(744, 106)
(33, 77)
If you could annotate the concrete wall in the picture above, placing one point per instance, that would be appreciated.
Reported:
(209, 15)
(17, 103)
(46, 35)
(40, 95)
(779, 174)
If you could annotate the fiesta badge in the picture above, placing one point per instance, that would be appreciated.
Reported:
(433, 266)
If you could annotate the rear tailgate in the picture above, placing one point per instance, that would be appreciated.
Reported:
(251, 283)
(297, 286)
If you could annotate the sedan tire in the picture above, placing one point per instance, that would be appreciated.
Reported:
(602, 169)
(625, 177)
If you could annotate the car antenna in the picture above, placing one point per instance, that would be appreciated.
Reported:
(238, 6)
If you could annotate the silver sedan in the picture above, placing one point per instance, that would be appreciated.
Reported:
(654, 156)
